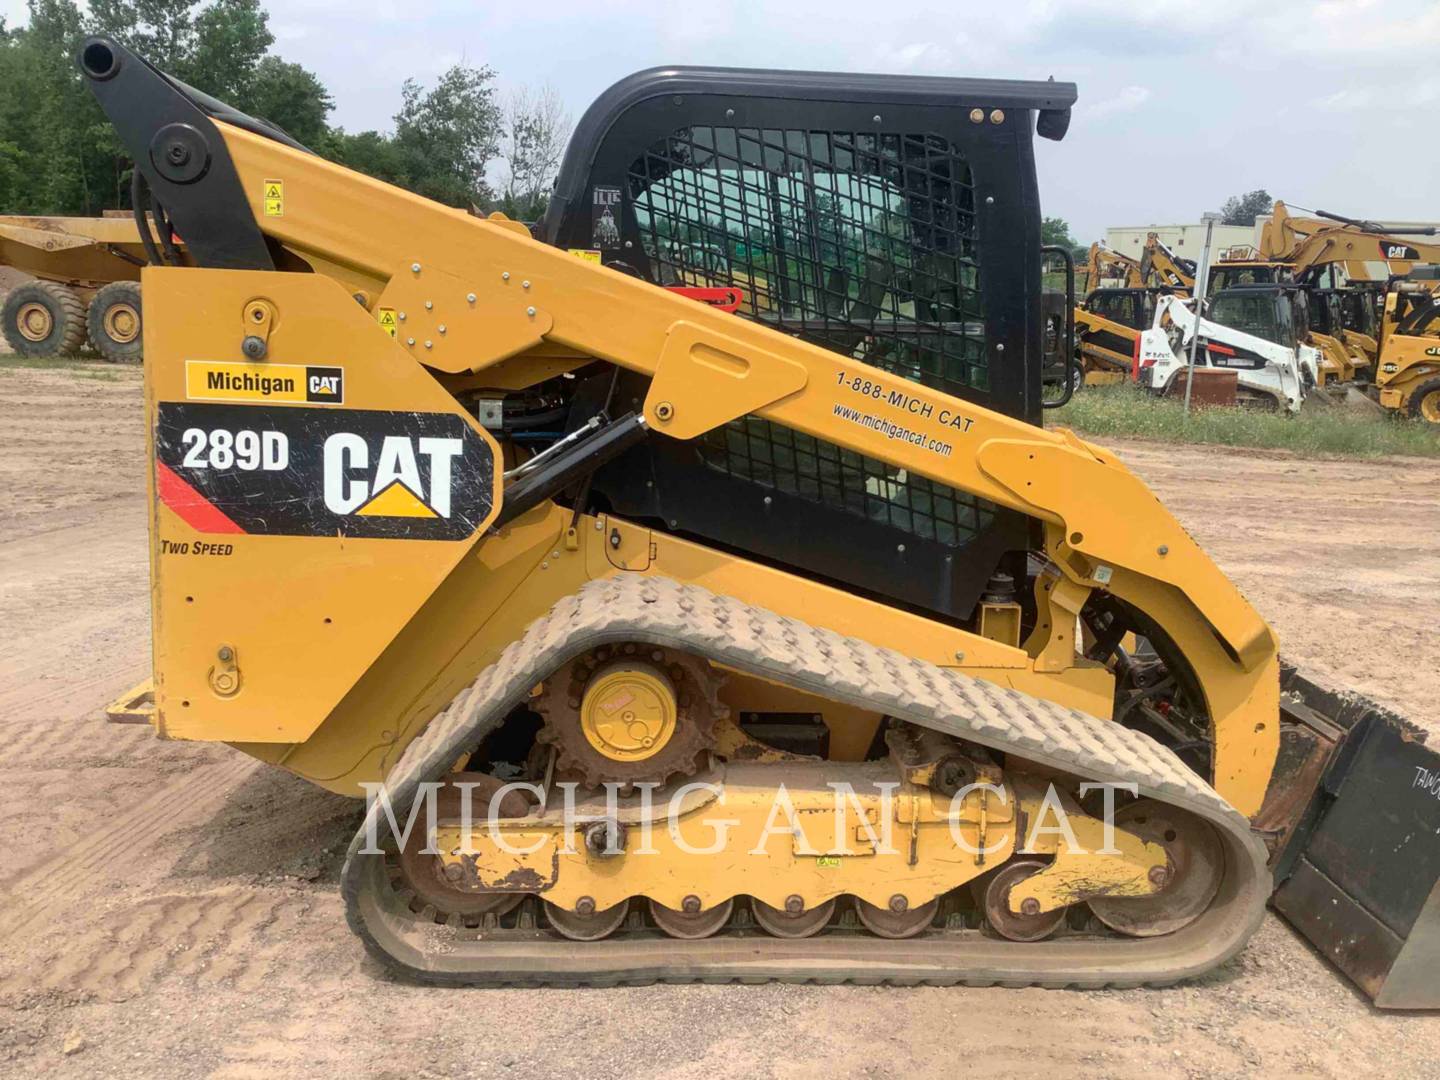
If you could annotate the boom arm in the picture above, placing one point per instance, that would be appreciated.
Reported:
(1311, 243)
(1103, 263)
(1165, 267)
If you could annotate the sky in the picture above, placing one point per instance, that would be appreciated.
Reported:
(1326, 104)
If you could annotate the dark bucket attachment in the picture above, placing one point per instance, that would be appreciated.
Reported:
(1353, 824)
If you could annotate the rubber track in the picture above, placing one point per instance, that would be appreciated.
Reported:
(663, 612)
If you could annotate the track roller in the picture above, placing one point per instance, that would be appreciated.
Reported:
(793, 920)
(898, 920)
(1021, 926)
(586, 924)
(690, 924)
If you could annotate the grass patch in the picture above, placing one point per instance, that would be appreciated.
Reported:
(1125, 411)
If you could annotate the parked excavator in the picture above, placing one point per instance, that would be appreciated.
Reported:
(441, 508)
(1332, 243)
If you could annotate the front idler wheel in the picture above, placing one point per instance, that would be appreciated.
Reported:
(1196, 865)
(442, 885)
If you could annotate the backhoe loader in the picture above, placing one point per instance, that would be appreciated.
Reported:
(1407, 376)
(1161, 267)
(1107, 268)
(775, 639)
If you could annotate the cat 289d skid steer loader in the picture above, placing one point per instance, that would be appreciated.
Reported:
(768, 638)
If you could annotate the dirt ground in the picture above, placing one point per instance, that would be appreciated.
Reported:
(172, 908)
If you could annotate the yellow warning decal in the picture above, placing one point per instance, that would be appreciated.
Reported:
(590, 255)
(274, 198)
(224, 380)
(385, 316)
(396, 501)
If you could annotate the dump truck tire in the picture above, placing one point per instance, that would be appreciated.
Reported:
(43, 318)
(1425, 402)
(113, 322)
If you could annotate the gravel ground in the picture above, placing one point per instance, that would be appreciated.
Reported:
(172, 908)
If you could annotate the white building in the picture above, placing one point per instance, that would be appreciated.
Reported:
(1187, 240)
(1184, 240)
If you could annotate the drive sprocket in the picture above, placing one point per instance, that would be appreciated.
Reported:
(630, 714)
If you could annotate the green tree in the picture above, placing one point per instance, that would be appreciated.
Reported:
(370, 152)
(215, 49)
(62, 141)
(230, 41)
(59, 154)
(449, 135)
(1244, 209)
(1056, 231)
(162, 31)
(290, 97)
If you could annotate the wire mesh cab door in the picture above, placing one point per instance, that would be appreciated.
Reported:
(893, 220)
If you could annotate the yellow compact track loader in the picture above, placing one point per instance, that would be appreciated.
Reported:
(775, 635)
(1108, 325)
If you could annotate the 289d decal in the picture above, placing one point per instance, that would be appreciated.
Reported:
(323, 472)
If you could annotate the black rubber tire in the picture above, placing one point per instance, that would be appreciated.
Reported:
(67, 319)
(1417, 399)
(118, 294)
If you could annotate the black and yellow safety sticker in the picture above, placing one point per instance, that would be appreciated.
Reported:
(323, 472)
(300, 384)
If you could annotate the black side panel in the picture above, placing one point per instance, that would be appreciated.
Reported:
(894, 221)
(181, 154)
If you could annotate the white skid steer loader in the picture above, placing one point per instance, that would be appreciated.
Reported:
(1251, 330)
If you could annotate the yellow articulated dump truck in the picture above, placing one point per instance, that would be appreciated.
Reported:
(673, 642)
(86, 287)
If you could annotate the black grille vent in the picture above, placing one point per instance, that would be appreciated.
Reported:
(796, 464)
